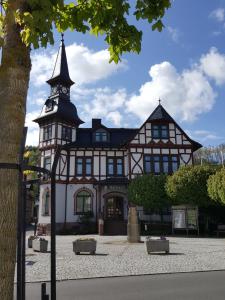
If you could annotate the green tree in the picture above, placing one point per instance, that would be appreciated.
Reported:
(216, 186)
(188, 185)
(148, 191)
(26, 24)
(32, 155)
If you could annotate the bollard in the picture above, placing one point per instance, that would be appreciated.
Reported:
(44, 296)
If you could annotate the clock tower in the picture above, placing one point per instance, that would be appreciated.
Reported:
(58, 120)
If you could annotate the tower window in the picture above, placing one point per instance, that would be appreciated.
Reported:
(47, 134)
(47, 163)
(66, 133)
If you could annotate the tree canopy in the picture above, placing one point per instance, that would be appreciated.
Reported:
(27, 24)
(188, 185)
(38, 18)
(148, 191)
(216, 186)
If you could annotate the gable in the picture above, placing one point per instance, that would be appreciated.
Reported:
(176, 136)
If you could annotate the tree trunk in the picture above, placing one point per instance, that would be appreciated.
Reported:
(14, 80)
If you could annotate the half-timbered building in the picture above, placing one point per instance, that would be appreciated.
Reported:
(94, 172)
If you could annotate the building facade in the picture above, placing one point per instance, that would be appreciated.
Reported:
(94, 172)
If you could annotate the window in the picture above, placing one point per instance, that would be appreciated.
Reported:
(158, 164)
(47, 163)
(46, 203)
(115, 166)
(175, 163)
(160, 132)
(83, 203)
(66, 133)
(47, 134)
(101, 136)
(84, 166)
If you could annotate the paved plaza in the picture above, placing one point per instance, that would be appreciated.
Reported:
(116, 257)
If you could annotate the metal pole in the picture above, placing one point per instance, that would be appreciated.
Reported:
(20, 281)
(24, 207)
(53, 225)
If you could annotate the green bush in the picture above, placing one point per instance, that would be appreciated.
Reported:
(188, 185)
(216, 186)
(148, 191)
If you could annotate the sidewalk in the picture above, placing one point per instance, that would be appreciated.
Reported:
(116, 257)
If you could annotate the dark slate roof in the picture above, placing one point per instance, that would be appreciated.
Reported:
(118, 137)
(61, 71)
(63, 110)
(160, 114)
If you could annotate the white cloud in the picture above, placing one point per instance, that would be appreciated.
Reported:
(85, 65)
(204, 135)
(218, 14)
(33, 128)
(115, 117)
(213, 65)
(104, 101)
(186, 95)
(174, 33)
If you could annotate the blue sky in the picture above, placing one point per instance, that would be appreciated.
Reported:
(184, 66)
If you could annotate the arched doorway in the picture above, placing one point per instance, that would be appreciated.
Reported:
(114, 208)
(114, 215)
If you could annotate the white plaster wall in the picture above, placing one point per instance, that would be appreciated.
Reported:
(43, 219)
(179, 140)
(103, 165)
(126, 168)
(71, 190)
(73, 134)
(72, 166)
(60, 202)
(53, 131)
(147, 151)
(41, 134)
(96, 166)
(142, 139)
(59, 131)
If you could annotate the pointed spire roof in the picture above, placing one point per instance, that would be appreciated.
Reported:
(61, 72)
(160, 114)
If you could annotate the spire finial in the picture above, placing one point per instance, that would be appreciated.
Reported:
(62, 35)
(159, 101)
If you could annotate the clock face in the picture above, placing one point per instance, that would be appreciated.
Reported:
(65, 90)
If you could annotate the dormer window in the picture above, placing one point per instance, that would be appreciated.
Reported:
(160, 132)
(101, 136)
(66, 133)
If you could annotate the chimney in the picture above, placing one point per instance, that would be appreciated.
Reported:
(96, 123)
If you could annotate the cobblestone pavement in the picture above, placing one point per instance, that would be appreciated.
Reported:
(116, 257)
